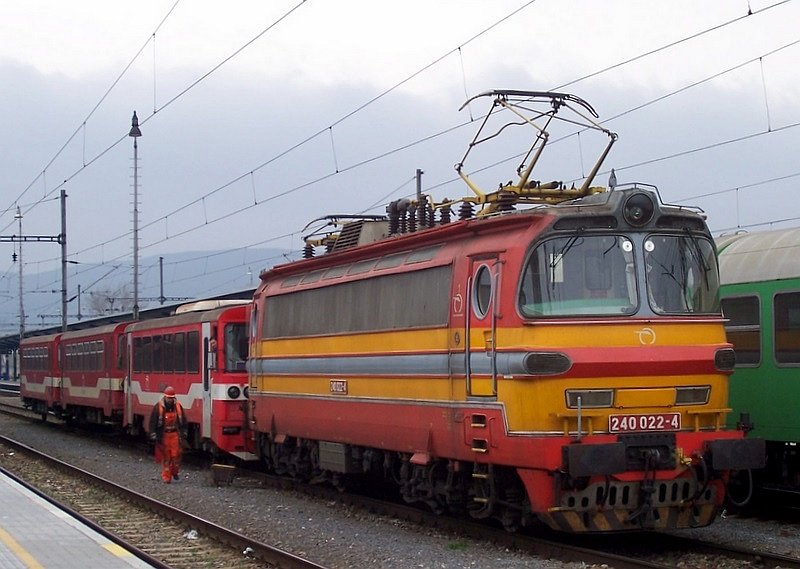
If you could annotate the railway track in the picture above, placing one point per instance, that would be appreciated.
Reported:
(161, 534)
(621, 552)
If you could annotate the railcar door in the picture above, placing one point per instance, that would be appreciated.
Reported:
(128, 343)
(208, 379)
(481, 323)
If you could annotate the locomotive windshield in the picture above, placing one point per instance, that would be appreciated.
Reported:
(583, 275)
(682, 275)
(580, 275)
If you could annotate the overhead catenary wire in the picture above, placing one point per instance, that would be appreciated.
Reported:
(377, 157)
(297, 188)
(317, 180)
(145, 119)
(82, 125)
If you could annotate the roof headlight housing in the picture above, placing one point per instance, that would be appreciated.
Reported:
(639, 209)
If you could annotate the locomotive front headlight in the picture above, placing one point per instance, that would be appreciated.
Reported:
(246, 391)
(725, 359)
(589, 398)
(638, 209)
(695, 395)
(234, 392)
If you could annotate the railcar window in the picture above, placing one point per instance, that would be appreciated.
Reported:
(36, 359)
(390, 261)
(147, 353)
(335, 272)
(787, 328)
(361, 267)
(312, 277)
(682, 274)
(289, 282)
(167, 347)
(137, 354)
(389, 302)
(235, 347)
(421, 255)
(193, 352)
(158, 354)
(180, 352)
(743, 328)
(121, 351)
(579, 275)
(97, 355)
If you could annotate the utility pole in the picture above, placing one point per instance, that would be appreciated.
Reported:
(62, 240)
(422, 210)
(21, 301)
(135, 133)
(161, 297)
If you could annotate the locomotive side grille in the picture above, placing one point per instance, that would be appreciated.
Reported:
(349, 236)
(360, 232)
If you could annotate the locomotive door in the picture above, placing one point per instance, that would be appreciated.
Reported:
(208, 380)
(481, 323)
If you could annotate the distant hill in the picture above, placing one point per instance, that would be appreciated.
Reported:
(107, 288)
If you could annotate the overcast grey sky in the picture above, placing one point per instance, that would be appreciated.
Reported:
(236, 99)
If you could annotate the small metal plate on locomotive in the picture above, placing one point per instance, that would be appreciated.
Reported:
(644, 423)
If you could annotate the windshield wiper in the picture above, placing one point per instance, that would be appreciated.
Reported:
(558, 258)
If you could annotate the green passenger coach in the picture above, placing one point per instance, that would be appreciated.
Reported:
(760, 292)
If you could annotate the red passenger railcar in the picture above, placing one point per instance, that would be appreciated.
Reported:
(201, 353)
(93, 374)
(40, 374)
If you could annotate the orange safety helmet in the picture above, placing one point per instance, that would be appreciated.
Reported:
(169, 391)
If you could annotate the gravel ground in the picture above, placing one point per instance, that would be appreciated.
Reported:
(328, 533)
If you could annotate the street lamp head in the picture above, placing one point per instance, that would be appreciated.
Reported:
(135, 132)
(18, 215)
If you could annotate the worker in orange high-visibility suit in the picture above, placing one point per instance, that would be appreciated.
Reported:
(167, 427)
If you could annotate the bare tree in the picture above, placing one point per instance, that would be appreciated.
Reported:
(103, 302)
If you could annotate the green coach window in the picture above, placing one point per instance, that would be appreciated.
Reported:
(787, 328)
(743, 328)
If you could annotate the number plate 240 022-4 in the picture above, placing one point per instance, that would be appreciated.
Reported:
(644, 423)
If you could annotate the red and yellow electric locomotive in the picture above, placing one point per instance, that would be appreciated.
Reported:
(559, 356)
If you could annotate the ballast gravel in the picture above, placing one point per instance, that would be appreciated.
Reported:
(327, 533)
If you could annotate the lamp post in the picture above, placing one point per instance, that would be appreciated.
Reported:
(135, 133)
(18, 216)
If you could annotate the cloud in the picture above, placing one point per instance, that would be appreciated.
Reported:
(305, 122)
